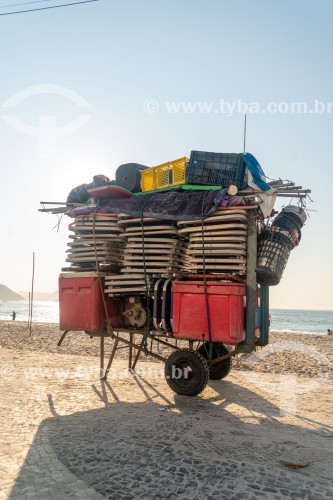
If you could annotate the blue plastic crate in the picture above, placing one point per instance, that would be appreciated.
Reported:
(216, 169)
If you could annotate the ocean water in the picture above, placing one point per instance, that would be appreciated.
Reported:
(43, 311)
(283, 320)
(301, 320)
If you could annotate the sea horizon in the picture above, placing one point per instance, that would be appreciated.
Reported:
(309, 321)
(271, 308)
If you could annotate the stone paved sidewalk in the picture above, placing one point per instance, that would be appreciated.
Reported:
(68, 437)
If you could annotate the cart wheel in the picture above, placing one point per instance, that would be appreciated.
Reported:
(220, 370)
(186, 372)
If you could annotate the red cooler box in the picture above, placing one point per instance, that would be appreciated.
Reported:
(226, 306)
(81, 303)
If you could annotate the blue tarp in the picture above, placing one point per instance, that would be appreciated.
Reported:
(256, 171)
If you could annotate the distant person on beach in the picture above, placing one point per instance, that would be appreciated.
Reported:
(329, 332)
(14, 316)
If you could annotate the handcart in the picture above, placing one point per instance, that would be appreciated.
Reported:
(203, 319)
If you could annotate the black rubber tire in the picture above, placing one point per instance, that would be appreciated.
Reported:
(222, 369)
(191, 382)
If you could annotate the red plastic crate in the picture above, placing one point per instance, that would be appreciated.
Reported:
(226, 306)
(81, 304)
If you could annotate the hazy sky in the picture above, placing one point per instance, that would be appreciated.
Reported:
(104, 68)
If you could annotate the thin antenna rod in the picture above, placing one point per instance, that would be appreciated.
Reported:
(32, 290)
(244, 134)
(29, 311)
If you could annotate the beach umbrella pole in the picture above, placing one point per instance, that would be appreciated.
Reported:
(32, 292)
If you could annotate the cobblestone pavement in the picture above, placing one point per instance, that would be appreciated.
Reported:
(64, 434)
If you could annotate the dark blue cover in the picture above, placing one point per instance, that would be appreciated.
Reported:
(170, 205)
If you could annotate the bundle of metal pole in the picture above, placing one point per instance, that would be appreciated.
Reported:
(251, 287)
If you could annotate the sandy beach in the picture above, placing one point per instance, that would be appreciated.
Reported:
(305, 355)
(263, 432)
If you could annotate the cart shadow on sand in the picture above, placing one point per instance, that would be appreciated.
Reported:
(191, 446)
